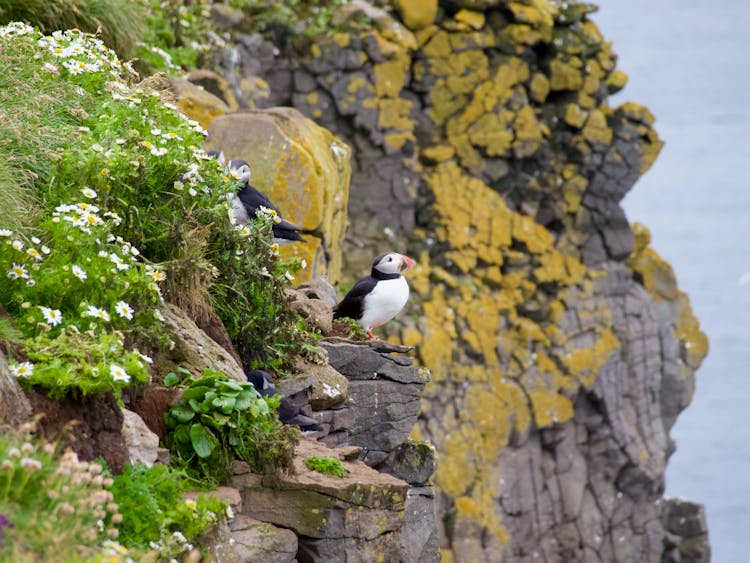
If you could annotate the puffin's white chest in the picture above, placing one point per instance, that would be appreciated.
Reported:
(384, 302)
(238, 210)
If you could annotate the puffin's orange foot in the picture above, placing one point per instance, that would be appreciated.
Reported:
(371, 335)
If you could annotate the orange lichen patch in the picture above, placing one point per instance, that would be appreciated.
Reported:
(470, 18)
(596, 129)
(529, 133)
(585, 363)
(394, 114)
(390, 76)
(539, 87)
(457, 469)
(439, 153)
(550, 407)
(438, 46)
(492, 134)
(574, 116)
(417, 14)
(565, 75)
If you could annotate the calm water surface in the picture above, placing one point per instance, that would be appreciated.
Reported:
(688, 62)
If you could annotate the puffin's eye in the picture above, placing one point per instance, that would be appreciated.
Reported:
(390, 258)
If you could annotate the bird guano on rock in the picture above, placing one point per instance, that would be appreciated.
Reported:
(248, 201)
(376, 299)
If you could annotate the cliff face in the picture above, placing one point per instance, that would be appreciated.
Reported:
(560, 347)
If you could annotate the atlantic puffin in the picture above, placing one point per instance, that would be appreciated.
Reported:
(249, 201)
(376, 299)
(289, 413)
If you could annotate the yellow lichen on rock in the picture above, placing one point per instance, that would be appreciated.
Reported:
(302, 168)
(417, 14)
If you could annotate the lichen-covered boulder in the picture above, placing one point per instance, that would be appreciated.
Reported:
(303, 169)
(196, 102)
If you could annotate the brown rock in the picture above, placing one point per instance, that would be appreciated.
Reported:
(14, 407)
(197, 103)
(142, 443)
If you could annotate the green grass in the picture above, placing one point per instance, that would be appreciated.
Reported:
(121, 23)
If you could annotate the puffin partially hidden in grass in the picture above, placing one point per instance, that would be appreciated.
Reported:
(289, 412)
(376, 299)
(249, 201)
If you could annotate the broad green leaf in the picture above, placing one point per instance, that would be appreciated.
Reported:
(171, 379)
(204, 442)
(182, 413)
(198, 407)
(229, 384)
(244, 400)
(224, 402)
(195, 392)
(182, 434)
(218, 419)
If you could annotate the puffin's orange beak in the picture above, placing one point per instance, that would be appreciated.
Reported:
(406, 263)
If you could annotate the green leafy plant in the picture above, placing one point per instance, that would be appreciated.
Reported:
(155, 515)
(54, 507)
(219, 419)
(124, 194)
(326, 465)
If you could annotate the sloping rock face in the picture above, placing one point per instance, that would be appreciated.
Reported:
(355, 518)
(560, 347)
(14, 407)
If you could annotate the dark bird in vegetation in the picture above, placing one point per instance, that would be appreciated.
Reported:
(248, 202)
(289, 412)
(376, 299)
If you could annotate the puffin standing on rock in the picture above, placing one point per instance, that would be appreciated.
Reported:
(249, 201)
(376, 299)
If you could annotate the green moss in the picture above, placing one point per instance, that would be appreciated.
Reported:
(326, 465)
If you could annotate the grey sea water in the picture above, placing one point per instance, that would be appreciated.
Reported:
(688, 62)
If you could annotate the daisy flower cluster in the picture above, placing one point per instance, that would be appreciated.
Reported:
(71, 286)
(79, 53)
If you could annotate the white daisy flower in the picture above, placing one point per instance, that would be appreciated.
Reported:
(96, 312)
(79, 272)
(118, 262)
(17, 271)
(124, 310)
(6, 233)
(36, 240)
(45, 249)
(34, 253)
(88, 192)
(17, 244)
(25, 369)
(158, 275)
(289, 276)
(52, 316)
(161, 151)
(118, 374)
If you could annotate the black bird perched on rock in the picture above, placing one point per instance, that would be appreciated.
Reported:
(289, 413)
(249, 201)
(376, 299)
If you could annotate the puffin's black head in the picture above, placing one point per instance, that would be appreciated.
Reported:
(218, 155)
(392, 263)
(239, 169)
(260, 379)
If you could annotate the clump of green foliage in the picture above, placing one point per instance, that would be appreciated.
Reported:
(121, 24)
(218, 420)
(128, 207)
(326, 465)
(180, 35)
(53, 507)
(156, 516)
(290, 19)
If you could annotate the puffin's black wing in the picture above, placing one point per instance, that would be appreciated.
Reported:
(252, 200)
(353, 302)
